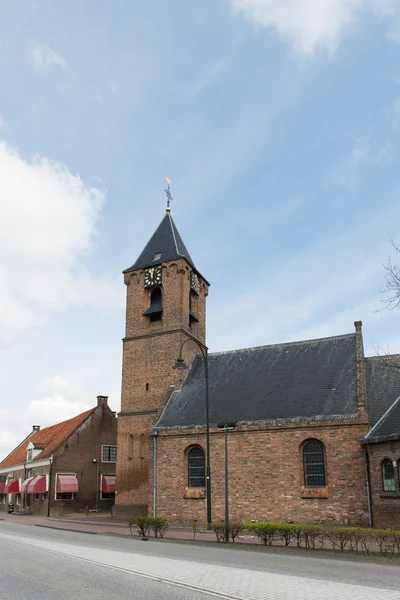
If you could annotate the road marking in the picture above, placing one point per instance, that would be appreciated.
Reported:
(220, 581)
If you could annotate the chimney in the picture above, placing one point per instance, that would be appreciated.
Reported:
(102, 400)
(361, 391)
(35, 428)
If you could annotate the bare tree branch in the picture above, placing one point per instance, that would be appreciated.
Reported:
(389, 361)
(392, 282)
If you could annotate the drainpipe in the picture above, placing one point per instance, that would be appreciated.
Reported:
(49, 493)
(366, 460)
(155, 472)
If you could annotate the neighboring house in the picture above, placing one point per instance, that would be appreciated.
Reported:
(301, 408)
(67, 467)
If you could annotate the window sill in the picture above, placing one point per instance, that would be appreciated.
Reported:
(195, 493)
(315, 492)
(390, 495)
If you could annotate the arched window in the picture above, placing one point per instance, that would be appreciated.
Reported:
(131, 440)
(314, 465)
(196, 468)
(142, 445)
(388, 476)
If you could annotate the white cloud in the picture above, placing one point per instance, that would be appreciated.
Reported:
(393, 35)
(47, 226)
(364, 153)
(309, 24)
(43, 57)
(57, 400)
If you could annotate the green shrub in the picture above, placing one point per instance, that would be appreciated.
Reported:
(234, 529)
(158, 525)
(310, 534)
(142, 523)
(218, 527)
(265, 531)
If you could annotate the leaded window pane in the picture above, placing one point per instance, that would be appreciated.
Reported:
(388, 476)
(196, 468)
(314, 465)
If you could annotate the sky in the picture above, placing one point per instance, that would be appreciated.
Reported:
(278, 122)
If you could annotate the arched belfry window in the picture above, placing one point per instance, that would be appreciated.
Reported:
(314, 465)
(196, 468)
(155, 309)
(389, 484)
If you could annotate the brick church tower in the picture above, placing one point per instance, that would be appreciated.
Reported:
(166, 304)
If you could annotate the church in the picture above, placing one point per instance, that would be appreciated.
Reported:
(314, 425)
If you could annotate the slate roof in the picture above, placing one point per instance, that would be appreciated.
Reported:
(382, 384)
(387, 428)
(308, 380)
(50, 438)
(166, 242)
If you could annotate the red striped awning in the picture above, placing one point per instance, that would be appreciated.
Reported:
(12, 487)
(67, 483)
(38, 485)
(25, 485)
(108, 484)
(2, 487)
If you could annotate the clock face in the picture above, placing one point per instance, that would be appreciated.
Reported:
(195, 282)
(152, 276)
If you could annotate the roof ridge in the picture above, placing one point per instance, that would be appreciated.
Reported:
(85, 412)
(254, 348)
(383, 417)
(171, 222)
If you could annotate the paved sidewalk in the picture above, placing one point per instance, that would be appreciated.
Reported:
(104, 524)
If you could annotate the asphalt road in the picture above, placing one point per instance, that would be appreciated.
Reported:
(43, 564)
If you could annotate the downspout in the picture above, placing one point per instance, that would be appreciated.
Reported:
(366, 459)
(155, 433)
(49, 496)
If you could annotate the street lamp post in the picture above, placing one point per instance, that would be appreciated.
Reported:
(226, 426)
(180, 364)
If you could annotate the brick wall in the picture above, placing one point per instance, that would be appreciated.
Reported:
(75, 456)
(385, 505)
(266, 479)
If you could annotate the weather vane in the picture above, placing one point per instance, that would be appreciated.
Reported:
(168, 192)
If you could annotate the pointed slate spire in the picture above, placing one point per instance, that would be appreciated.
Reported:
(165, 245)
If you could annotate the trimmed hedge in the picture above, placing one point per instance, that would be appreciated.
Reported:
(358, 539)
(218, 527)
(158, 525)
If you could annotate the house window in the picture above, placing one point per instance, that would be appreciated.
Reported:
(64, 495)
(314, 465)
(109, 454)
(45, 496)
(196, 468)
(18, 499)
(29, 453)
(36, 496)
(388, 476)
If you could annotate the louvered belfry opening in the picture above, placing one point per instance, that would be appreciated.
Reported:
(154, 312)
